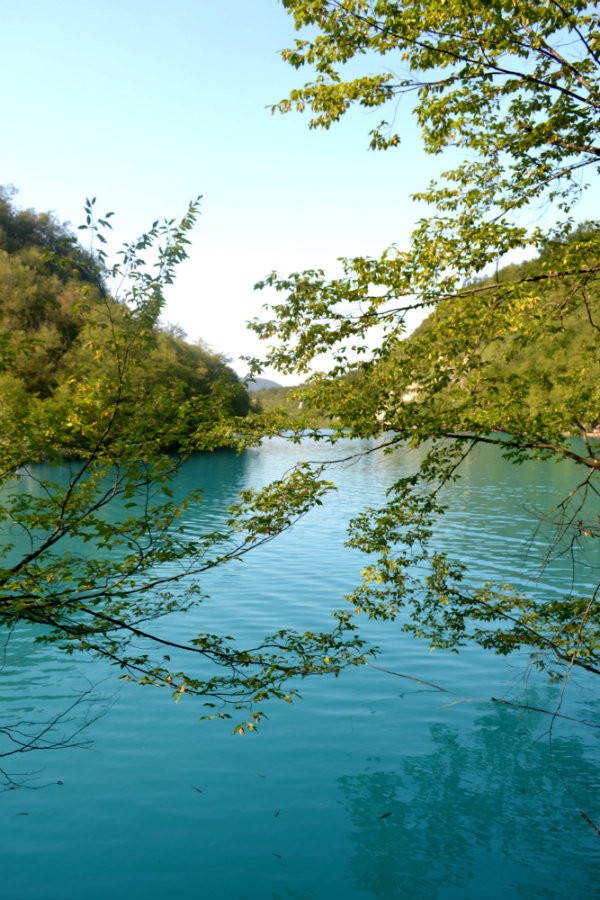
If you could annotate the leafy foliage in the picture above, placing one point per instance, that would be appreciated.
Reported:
(94, 546)
(63, 331)
(509, 359)
(290, 404)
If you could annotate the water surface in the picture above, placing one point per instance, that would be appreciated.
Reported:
(373, 786)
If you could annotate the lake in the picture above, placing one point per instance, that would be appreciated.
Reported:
(371, 787)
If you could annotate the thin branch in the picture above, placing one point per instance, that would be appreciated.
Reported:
(533, 444)
(583, 40)
(546, 712)
(464, 58)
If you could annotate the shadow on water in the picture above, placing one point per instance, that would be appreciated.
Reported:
(494, 812)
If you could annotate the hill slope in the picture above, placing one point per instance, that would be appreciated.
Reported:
(61, 330)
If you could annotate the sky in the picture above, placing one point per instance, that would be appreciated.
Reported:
(145, 105)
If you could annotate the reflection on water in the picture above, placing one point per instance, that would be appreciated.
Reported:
(481, 813)
(372, 787)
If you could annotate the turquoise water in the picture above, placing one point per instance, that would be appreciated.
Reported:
(372, 786)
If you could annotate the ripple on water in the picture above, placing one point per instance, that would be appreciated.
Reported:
(374, 786)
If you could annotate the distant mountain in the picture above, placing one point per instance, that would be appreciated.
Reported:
(260, 384)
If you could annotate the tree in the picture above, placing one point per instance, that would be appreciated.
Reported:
(44, 290)
(93, 549)
(514, 87)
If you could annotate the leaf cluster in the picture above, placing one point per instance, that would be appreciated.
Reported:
(508, 355)
(68, 344)
(101, 407)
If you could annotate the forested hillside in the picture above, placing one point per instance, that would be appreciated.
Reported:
(65, 345)
(518, 354)
(541, 372)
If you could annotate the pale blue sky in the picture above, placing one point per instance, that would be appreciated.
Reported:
(146, 104)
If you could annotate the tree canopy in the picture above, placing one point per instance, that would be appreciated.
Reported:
(511, 90)
(100, 407)
(86, 366)
(58, 319)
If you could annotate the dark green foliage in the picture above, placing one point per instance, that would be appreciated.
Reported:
(62, 255)
(59, 322)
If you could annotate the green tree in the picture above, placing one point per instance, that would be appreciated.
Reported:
(93, 548)
(514, 89)
(57, 314)
(24, 229)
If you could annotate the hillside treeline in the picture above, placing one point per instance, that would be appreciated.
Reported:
(67, 345)
(550, 369)
(514, 352)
